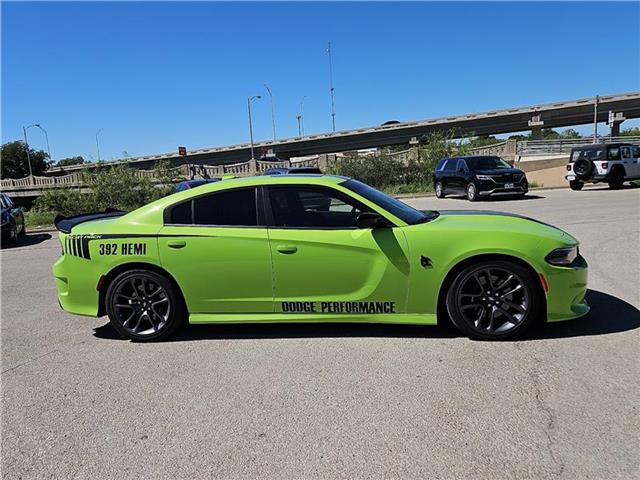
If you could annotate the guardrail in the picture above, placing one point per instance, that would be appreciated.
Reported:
(187, 171)
(528, 148)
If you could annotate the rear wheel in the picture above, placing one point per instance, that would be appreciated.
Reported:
(144, 306)
(576, 185)
(472, 192)
(494, 300)
(439, 190)
(23, 232)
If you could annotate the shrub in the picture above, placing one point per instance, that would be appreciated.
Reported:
(114, 186)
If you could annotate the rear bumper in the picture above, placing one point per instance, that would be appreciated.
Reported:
(78, 294)
(567, 291)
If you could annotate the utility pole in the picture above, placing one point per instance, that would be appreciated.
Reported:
(273, 115)
(249, 99)
(595, 119)
(26, 144)
(331, 89)
(299, 118)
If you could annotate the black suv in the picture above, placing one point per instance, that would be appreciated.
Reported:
(12, 220)
(478, 176)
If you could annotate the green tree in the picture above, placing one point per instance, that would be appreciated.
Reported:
(570, 133)
(482, 141)
(65, 162)
(631, 132)
(14, 162)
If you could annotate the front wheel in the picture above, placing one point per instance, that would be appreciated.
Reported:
(576, 185)
(144, 306)
(494, 300)
(439, 190)
(472, 192)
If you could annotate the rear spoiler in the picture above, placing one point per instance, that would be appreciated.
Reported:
(65, 224)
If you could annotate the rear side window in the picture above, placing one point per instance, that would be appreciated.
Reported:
(228, 208)
(613, 153)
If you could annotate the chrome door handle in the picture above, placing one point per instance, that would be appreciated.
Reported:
(287, 249)
(176, 243)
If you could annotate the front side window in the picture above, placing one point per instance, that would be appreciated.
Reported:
(313, 207)
(636, 152)
(461, 165)
(451, 165)
(226, 208)
(626, 152)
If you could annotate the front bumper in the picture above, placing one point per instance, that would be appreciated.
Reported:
(567, 291)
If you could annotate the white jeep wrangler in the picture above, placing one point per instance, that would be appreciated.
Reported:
(614, 163)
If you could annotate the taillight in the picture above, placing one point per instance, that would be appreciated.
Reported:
(569, 167)
(605, 164)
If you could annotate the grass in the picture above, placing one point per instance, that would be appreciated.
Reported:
(534, 184)
(408, 188)
(37, 219)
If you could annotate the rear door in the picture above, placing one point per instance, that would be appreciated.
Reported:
(216, 247)
(322, 263)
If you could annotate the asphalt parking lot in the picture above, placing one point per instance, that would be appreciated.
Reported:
(329, 401)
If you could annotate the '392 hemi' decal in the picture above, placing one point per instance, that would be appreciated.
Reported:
(78, 246)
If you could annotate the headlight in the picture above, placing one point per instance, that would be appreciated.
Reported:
(563, 257)
(484, 177)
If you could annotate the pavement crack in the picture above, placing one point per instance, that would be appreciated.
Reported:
(550, 415)
(29, 361)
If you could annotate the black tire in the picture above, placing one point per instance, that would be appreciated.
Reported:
(583, 168)
(12, 238)
(576, 185)
(23, 232)
(136, 291)
(495, 309)
(439, 190)
(471, 192)
(616, 179)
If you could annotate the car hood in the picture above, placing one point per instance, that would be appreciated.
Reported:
(497, 171)
(500, 222)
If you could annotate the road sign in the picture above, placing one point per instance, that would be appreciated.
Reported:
(182, 151)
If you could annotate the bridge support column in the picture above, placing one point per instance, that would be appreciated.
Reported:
(536, 125)
(614, 122)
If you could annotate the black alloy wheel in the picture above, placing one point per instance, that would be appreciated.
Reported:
(439, 190)
(494, 300)
(144, 306)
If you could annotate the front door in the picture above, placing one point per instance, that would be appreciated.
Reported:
(324, 264)
(218, 252)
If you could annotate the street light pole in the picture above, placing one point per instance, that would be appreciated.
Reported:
(249, 99)
(298, 118)
(331, 89)
(98, 143)
(26, 144)
(47, 139)
(301, 117)
(273, 115)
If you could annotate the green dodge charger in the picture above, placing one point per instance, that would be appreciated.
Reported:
(314, 248)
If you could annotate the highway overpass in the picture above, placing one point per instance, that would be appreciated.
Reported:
(517, 119)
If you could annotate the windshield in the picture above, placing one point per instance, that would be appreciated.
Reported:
(486, 163)
(394, 206)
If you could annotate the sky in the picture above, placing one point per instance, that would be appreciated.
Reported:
(155, 76)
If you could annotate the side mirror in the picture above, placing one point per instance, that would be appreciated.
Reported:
(461, 170)
(370, 220)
